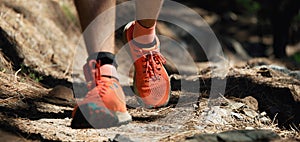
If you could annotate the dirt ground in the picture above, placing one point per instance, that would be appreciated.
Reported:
(38, 76)
(47, 116)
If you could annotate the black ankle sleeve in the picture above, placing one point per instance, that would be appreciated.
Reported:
(104, 57)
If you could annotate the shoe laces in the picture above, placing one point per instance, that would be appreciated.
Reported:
(96, 81)
(152, 61)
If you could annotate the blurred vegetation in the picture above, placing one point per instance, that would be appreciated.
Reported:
(280, 17)
(71, 16)
(297, 17)
(250, 6)
(296, 57)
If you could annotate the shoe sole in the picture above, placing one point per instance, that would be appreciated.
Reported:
(98, 118)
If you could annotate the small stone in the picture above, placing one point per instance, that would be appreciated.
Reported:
(216, 115)
(263, 114)
(264, 72)
(121, 138)
(236, 115)
(250, 102)
(199, 127)
(265, 120)
(249, 128)
(61, 95)
(236, 105)
(61, 92)
(195, 106)
(251, 113)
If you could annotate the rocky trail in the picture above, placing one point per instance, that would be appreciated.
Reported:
(48, 117)
(251, 99)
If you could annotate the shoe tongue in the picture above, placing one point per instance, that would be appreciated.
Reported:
(108, 70)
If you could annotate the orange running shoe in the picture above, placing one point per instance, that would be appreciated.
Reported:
(104, 105)
(151, 81)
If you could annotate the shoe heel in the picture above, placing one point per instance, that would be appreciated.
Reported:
(124, 36)
(123, 117)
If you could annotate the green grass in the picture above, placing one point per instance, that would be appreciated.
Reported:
(31, 74)
(68, 13)
(250, 5)
(296, 57)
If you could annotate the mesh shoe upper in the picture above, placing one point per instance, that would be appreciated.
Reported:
(151, 81)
